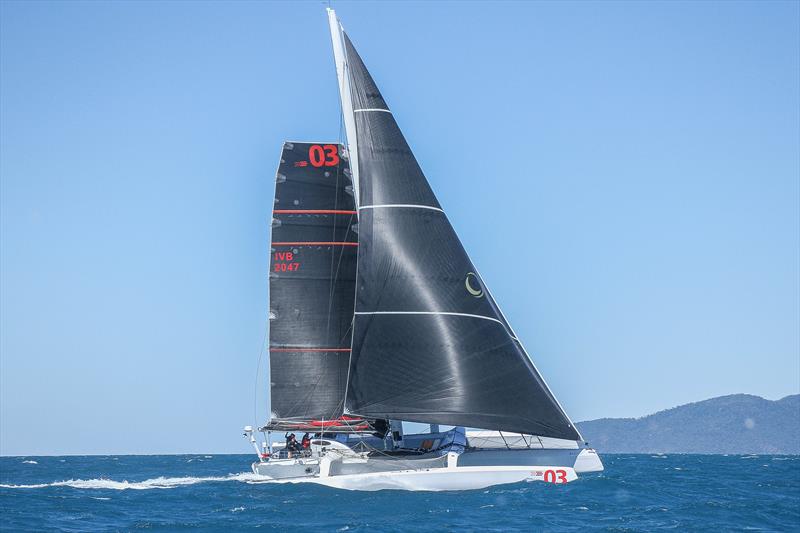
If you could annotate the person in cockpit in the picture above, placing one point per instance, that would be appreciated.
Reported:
(291, 444)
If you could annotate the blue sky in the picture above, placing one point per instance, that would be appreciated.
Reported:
(624, 175)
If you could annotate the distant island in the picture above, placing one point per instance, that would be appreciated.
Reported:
(735, 424)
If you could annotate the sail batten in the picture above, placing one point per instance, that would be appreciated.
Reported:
(408, 206)
(429, 343)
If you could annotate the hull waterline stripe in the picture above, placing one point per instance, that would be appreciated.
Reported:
(299, 349)
(313, 212)
(371, 109)
(412, 206)
(314, 244)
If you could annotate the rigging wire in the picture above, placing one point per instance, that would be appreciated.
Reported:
(334, 274)
(258, 371)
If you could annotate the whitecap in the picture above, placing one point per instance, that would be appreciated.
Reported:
(237, 509)
(154, 483)
(99, 498)
(30, 462)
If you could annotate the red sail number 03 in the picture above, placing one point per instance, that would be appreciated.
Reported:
(323, 155)
(555, 476)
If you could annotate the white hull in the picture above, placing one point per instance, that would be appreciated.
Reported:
(564, 468)
(438, 479)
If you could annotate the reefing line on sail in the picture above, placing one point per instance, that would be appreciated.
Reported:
(410, 206)
(313, 212)
(309, 349)
(445, 313)
(315, 243)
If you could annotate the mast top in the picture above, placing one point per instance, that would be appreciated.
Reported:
(343, 79)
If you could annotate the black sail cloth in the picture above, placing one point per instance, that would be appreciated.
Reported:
(312, 282)
(429, 344)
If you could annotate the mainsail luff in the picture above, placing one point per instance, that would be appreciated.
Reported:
(429, 344)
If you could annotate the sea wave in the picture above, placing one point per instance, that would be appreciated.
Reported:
(154, 483)
(634, 493)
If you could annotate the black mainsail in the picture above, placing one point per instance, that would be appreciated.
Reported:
(311, 283)
(429, 342)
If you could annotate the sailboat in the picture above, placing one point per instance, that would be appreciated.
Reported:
(377, 317)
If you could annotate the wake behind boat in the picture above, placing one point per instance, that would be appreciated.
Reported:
(378, 316)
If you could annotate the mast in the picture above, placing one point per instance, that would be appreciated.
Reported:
(343, 78)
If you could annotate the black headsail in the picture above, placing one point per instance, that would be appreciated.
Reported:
(312, 283)
(429, 344)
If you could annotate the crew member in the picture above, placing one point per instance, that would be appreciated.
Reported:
(291, 444)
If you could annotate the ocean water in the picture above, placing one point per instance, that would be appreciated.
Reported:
(217, 492)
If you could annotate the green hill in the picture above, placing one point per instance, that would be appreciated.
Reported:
(735, 424)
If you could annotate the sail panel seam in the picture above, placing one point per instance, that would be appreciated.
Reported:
(314, 243)
(447, 313)
(413, 206)
(371, 109)
(299, 349)
(313, 212)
